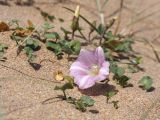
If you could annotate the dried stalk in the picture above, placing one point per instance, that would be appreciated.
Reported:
(119, 17)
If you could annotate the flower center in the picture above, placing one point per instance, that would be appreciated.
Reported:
(94, 70)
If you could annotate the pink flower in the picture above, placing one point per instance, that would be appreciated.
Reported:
(89, 68)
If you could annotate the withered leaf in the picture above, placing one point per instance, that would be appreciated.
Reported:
(58, 75)
(3, 26)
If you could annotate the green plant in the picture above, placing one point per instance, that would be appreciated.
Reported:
(30, 46)
(109, 95)
(146, 82)
(82, 103)
(3, 47)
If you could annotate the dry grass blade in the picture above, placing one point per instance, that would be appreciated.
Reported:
(143, 18)
(119, 17)
(100, 11)
(145, 9)
(146, 29)
(152, 47)
(83, 19)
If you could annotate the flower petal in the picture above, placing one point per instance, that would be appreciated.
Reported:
(78, 69)
(99, 53)
(104, 71)
(105, 68)
(85, 82)
(88, 81)
(87, 57)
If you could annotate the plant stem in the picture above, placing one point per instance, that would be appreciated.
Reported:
(65, 96)
(89, 36)
(100, 41)
(89, 23)
(73, 35)
(82, 34)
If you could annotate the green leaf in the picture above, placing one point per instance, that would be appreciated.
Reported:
(113, 68)
(125, 46)
(50, 36)
(146, 82)
(28, 50)
(69, 79)
(53, 35)
(29, 41)
(31, 57)
(123, 80)
(47, 26)
(64, 87)
(136, 60)
(72, 47)
(32, 43)
(36, 44)
(75, 46)
(110, 37)
(54, 47)
(87, 100)
(66, 46)
(101, 29)
(110, 94)
(67, 86)
(80, 106)
(120, 71)
(83, 102)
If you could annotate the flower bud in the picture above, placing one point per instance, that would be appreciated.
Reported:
(111, 22)
(75, 24)
(77, 11)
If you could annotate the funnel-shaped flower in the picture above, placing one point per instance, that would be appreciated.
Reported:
(89, 68)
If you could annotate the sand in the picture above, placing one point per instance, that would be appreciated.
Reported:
(24, 90)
